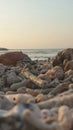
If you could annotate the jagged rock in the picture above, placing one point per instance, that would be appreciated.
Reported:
(69, 65)
(41, 97)
(44, 77)
(12, 58)
(55, 82)
(56, 72)
(2, 69)
(60, 88)
(66, 54)
(12, 77)
(2, 82)
(45, 67)
(68, 73)
(68, 78)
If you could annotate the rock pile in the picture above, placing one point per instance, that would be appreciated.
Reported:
(36, 95)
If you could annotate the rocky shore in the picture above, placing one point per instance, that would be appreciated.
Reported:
(3, 49)
(36, 95)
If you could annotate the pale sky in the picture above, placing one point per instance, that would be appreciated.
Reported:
(29, 24)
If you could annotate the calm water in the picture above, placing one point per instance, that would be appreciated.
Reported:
(34, 54)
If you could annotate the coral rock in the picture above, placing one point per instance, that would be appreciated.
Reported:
(55, 72)
(61, 56)
(69, 65)
(20, 98)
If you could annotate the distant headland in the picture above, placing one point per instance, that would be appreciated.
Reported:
(3, 49)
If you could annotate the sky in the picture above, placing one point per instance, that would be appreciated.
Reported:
(36, 24)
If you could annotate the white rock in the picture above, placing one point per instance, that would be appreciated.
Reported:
(20, 98)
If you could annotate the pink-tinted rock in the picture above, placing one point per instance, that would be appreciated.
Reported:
(56, 72)
(69, 65)
(44, 77)
(12, 58)
(41, 97)
(68, 73)
(66, 54)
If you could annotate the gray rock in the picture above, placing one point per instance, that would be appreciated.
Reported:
(21, 90)
(2, 69)
(55, 82)
(12, 77)
(15, 86)
(1, 93)
(68, 73)
(5, 104)
(2, 82)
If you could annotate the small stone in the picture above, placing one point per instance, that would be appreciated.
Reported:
(5, 103)
(21, 90)
(70, 86)
(56, 72)
(41, 98)
(12, 77)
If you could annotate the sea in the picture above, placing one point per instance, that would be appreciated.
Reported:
(36, 54)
